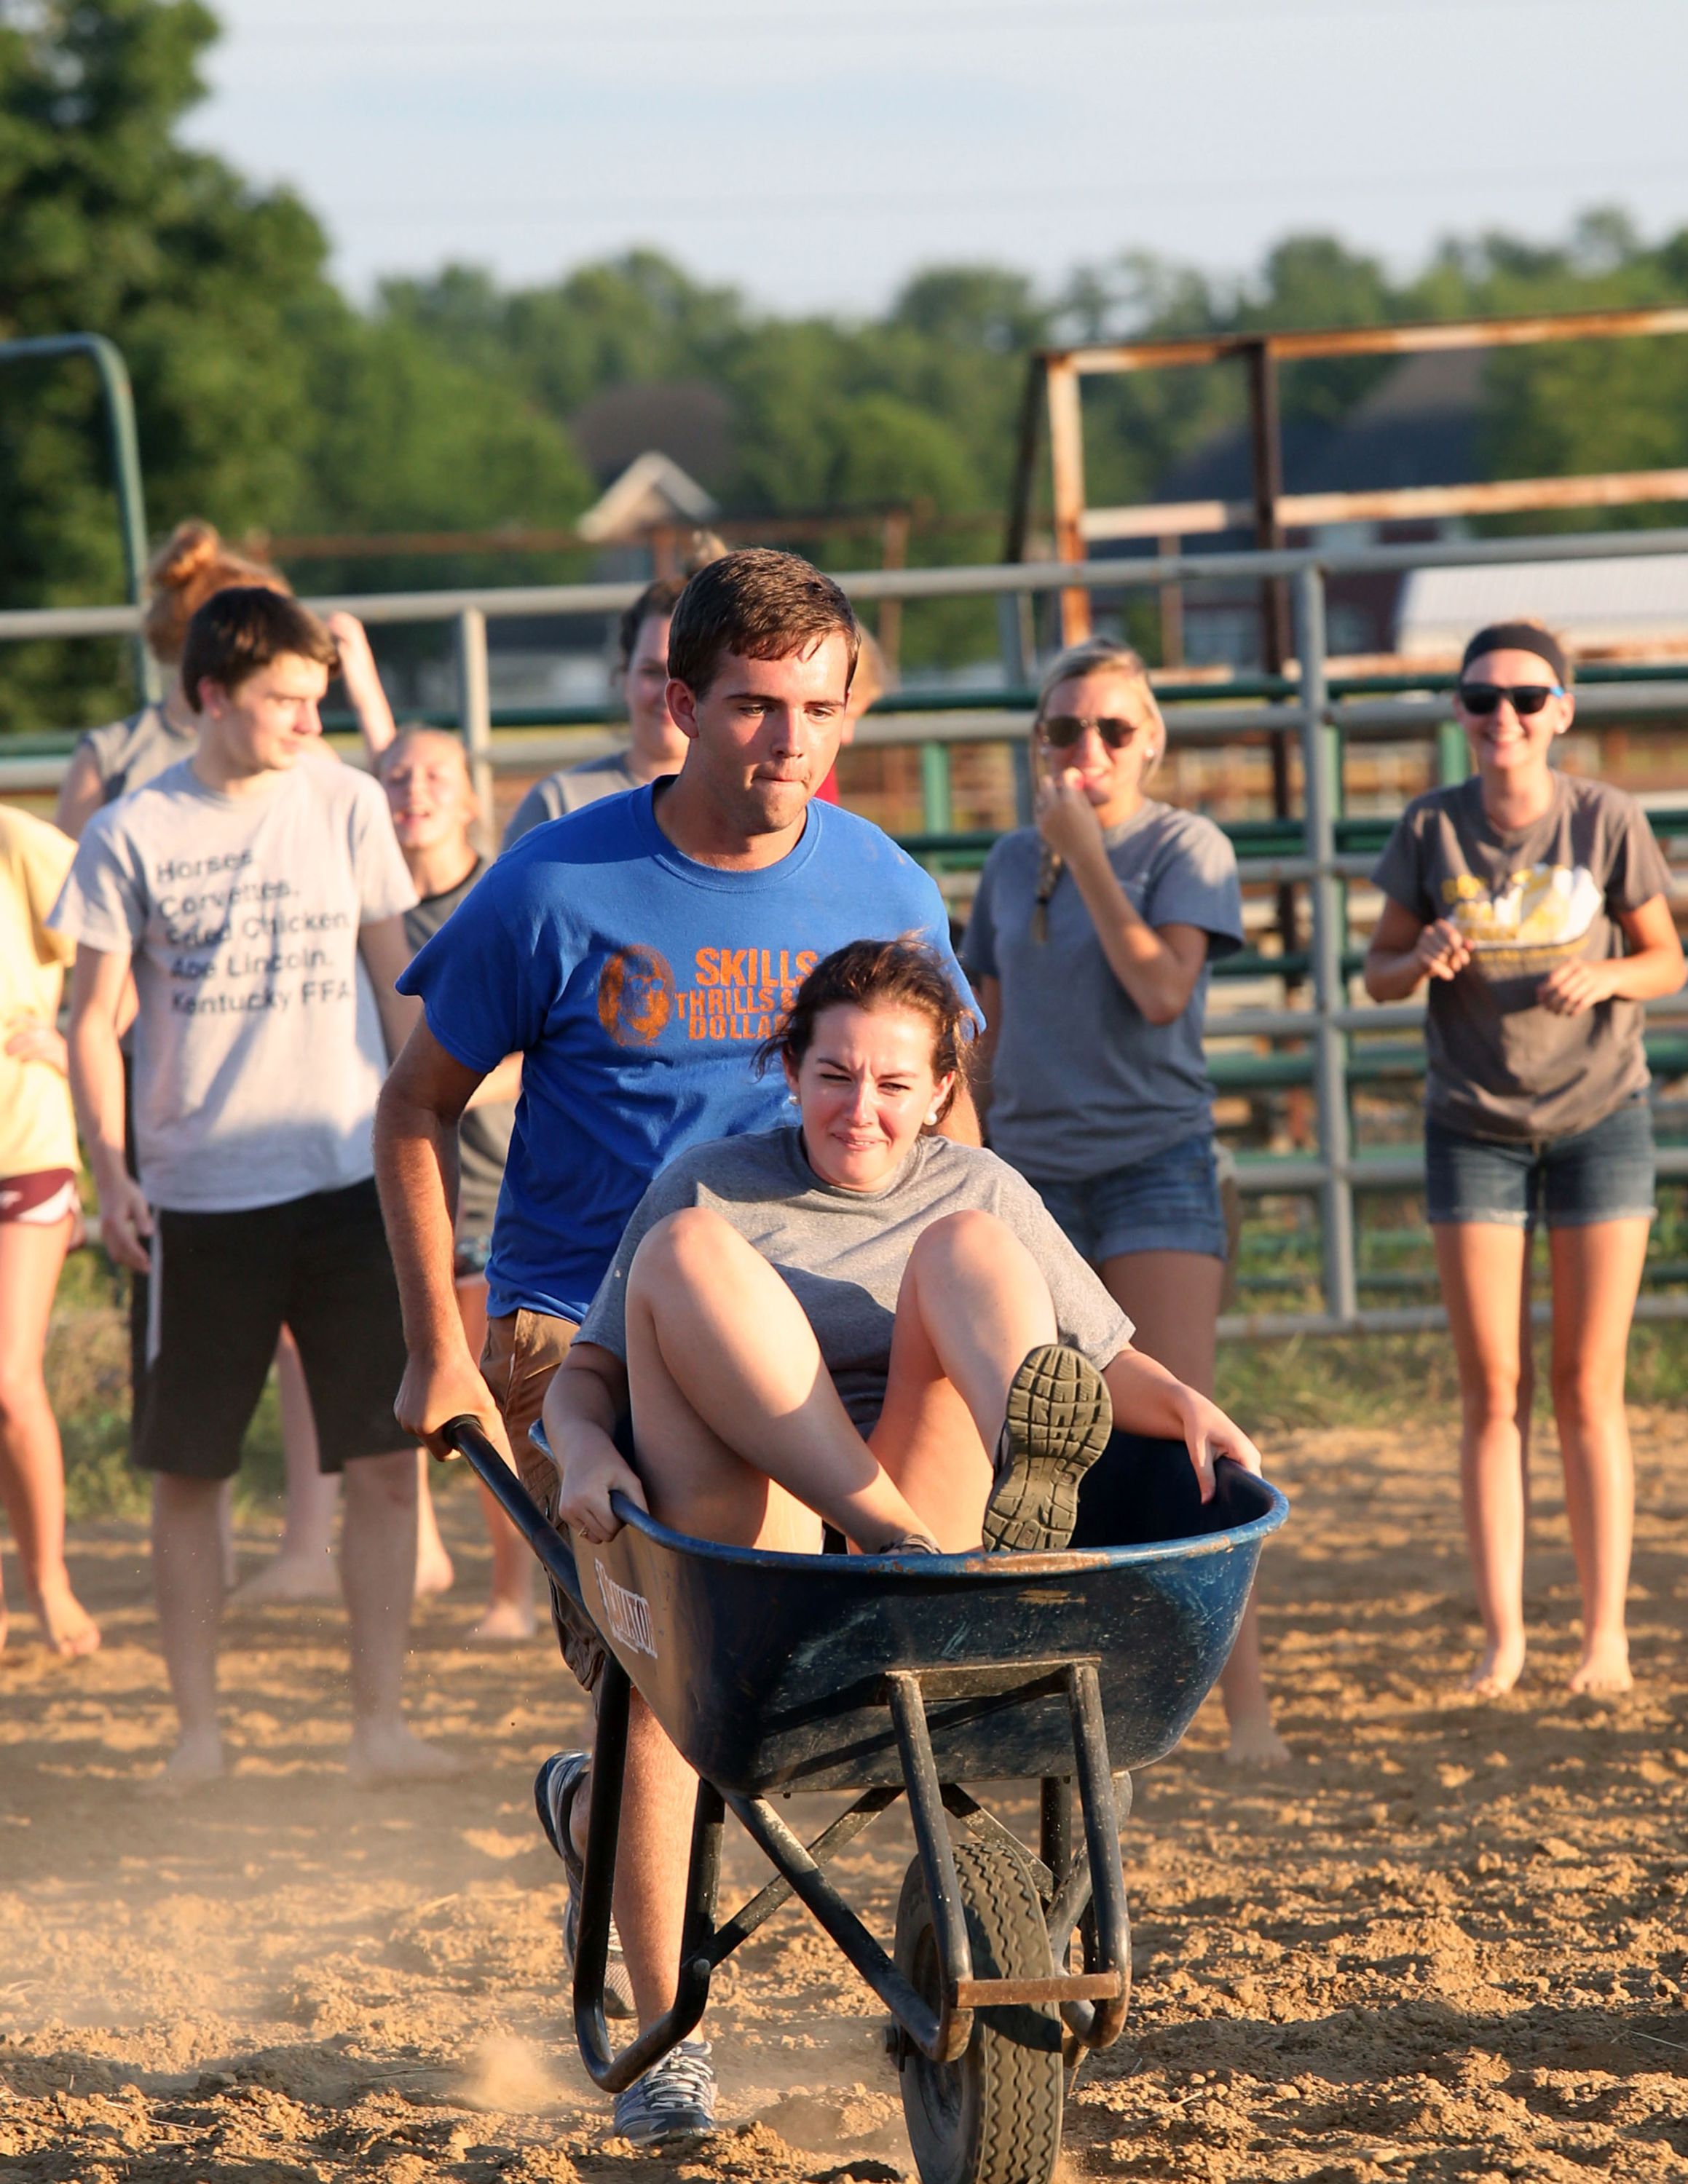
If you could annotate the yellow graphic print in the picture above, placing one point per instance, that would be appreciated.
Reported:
(1533, 920)
(736, 994)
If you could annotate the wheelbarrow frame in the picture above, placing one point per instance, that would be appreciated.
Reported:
(1073, 1878)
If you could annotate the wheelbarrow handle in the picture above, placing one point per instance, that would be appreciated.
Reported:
(465, 1436)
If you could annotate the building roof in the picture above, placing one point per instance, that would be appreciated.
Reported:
(1634, 603)
(652, 491)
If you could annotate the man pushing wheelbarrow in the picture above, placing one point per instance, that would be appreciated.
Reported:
(845, 1320)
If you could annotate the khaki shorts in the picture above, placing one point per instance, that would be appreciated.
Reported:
(522, 1351)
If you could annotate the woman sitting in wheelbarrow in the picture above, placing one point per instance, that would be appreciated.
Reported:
(854, 1321)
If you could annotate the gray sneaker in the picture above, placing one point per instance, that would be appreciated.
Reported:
(675, 2099)
(1059, 1420)
(556, 1787)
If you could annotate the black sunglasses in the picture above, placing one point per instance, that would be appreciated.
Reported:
(1064, 730)
(1482, 698)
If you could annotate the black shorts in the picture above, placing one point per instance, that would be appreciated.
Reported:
(223, 1286)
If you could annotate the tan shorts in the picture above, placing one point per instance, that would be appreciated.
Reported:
(522, 1349)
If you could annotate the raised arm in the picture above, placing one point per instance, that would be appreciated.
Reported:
(100, 990)
(1403, 953)
(415, 1170)
(1652, 967)
(362, 679)
(1157, 965)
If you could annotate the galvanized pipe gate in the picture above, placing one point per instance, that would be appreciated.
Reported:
(1322, 720)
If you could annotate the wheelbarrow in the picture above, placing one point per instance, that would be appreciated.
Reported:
(908, 1676)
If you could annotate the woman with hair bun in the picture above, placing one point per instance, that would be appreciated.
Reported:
(191, 564)
(1089, 945)
(1535, 908)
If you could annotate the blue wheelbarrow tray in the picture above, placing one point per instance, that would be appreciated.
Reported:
(894, 1676)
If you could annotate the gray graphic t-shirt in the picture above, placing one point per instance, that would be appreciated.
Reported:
(1081, 1082)
(257, 1045)
(570, 789)
(1527, 899)
(842, 1252)
(131, 753)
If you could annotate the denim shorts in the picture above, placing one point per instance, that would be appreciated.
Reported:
(1603, 1174)
(1169, 1202)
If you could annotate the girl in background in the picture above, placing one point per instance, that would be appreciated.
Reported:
(1089, 945)
(1535, 909)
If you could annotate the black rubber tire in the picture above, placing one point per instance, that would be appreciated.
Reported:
(994, 2117)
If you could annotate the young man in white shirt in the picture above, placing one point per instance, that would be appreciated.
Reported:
(257, 894)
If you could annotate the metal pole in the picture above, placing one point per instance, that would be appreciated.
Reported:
(1266, 441)
(474, 711)
(107, 359)
(934, 788)
(1066, 465)
(1322, 766)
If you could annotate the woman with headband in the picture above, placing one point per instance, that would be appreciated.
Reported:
(1089, 945)
(1533, 907)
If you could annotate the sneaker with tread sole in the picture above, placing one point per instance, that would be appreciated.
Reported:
(1059, 1419)
(556, 1786)
(675, 2098)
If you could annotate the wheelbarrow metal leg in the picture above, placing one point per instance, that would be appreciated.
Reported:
(766, 1900)
(613, 2072)
(1097, 2025)
(1054, 1825)
(810, 1886)
(937, 1860)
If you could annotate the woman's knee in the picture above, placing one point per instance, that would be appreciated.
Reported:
(967, 1238)
(1586, 1391)
(690, 1246)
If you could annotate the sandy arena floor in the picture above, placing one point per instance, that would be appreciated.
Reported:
(1448, 1942)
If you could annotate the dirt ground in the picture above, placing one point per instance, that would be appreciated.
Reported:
(1447, 1942)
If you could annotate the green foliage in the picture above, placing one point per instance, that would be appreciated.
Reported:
(267, 401)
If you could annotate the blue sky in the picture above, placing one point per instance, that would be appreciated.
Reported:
(814, 154)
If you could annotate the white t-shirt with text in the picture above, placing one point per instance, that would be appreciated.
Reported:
(257, 1049)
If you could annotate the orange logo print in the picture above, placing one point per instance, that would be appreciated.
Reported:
(635, 995)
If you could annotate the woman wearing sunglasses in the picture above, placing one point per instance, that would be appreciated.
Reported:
(1534, 906)
(1089, 945)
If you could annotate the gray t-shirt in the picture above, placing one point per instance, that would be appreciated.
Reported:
(129, 754)
(570, 789)
(842, 1252)
(1081, 1082)
(257, 1045)
(483, 1133)
(1527, 899)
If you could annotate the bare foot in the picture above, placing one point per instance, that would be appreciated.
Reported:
(1253, 1742)
(435, 1573)
(390, 1751)
(292, 1576)
(66, 1625)
(506, 1622)
(1496, 1669)
(198, 1759)
(1604, 1666)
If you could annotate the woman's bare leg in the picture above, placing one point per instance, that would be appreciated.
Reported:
(1596, 1274)
(510, 1612)
(434, 1571)
(1172, 1300)
(31, 1458)
(303, 1566)
(720, 1359)
(1482, 1266)
(971, 1304)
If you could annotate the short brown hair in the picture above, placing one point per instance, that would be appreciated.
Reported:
(906, 974)
(761, 604)
(192, 563)
(243, 627)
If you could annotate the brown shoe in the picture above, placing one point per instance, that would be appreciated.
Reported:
(1057, 1422)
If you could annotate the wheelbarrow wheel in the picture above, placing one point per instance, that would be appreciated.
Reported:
(993, 2116)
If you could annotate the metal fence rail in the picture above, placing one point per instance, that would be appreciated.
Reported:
(1313, 854)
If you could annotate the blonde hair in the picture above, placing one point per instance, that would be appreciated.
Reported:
(1103, 656)
(193, 564)
(1095, 655)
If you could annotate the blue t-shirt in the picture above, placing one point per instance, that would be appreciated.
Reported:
(636, 985)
